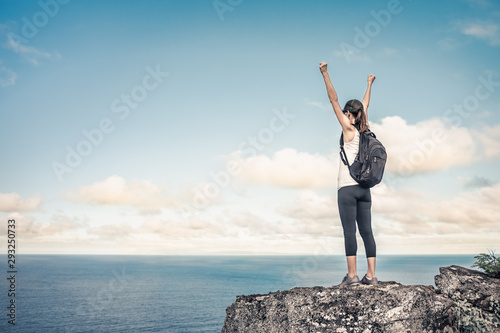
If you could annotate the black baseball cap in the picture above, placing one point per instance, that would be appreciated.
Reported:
(353, 106)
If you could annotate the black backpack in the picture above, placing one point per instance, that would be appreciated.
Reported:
(368, 166)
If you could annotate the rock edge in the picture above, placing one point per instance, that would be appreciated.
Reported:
(386, 307)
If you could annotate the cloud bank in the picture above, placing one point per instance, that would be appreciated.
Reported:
(13, 202)
(289, 168)
(115, 190)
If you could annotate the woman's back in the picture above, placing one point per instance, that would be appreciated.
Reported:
(351, 149)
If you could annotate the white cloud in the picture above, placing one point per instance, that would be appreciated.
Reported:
(30, 53)
(401, 219)
(475, 211)
(400, 213)
(117, 191)
(313, 215)
(309, 204)
(58, 224)
(113, 231)
(479, 3)
(483, 30)
(402, 205)
(12, 202)
(409, 212)
(489, 137)
(319, 105)
(428, 145)
(288, 168)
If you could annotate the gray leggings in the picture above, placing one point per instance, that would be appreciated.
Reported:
(355, 206)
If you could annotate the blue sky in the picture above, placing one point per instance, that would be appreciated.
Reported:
(189, 90)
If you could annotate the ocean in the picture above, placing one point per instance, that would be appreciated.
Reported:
(83, 293)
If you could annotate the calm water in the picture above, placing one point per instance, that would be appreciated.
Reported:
(172, 293)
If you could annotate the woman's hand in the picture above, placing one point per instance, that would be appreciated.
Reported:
(371, 78)
(322, 67)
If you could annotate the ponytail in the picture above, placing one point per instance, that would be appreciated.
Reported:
(361, 121)
(355, 107)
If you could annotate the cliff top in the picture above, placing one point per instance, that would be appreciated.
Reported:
(462, 295)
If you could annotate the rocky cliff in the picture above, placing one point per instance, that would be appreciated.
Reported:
(465, 299)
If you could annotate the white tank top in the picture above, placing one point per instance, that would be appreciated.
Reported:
(351, 150)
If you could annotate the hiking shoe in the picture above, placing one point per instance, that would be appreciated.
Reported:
(347, 281)
(371, 281)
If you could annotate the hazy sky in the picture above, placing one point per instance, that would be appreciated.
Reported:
(198, 127)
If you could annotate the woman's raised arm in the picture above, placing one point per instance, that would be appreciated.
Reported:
(332, 95)
(366, 98)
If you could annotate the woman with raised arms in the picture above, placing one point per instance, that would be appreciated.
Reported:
(354, 201)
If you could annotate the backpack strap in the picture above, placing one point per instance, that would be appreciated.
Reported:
(343, 155)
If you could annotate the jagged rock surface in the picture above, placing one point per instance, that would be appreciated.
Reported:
(387, 307)
(472, 290)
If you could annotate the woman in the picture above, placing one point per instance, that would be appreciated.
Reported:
(354, 201)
